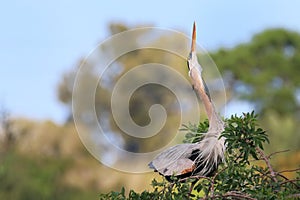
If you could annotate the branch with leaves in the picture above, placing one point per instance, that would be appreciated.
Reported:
(240, 177)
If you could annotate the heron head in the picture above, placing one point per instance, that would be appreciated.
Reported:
(192, 60)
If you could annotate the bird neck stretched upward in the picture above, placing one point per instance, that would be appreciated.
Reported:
(216, 125)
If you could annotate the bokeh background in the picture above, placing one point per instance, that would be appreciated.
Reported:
(255, 45)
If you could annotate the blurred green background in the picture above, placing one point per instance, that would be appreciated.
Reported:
(256, 47)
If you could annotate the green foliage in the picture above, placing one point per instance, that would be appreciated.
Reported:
(243, 137)
(194, 133)
(264, 71)
(246, 174)
(23, 177)
(161, 190)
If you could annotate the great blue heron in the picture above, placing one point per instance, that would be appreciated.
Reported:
(201, 158)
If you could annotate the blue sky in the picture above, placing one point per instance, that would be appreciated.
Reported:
(42, 39)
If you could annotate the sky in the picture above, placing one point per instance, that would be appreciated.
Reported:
(40, 40)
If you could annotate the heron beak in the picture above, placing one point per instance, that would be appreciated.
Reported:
(192, 54)
(193, 46)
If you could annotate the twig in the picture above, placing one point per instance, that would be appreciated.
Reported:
(288, 180)
(235, 194)
(282, 176)
(238, 157)
(276, 152)
(265, 158)
(289, 170)
(196, 177)
(212, 181)
(194, 182)
(293, 195)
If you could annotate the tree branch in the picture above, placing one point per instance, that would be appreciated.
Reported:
(267, 161)
(288, 180)
(276, 152)
(293, 195)
(289, 170)
(212, 181)
(235, 194)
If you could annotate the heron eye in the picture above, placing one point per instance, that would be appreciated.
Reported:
(188, 65)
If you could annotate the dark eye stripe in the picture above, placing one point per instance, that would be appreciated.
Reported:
(188, 65)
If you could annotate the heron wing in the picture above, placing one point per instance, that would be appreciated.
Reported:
(175, 160)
